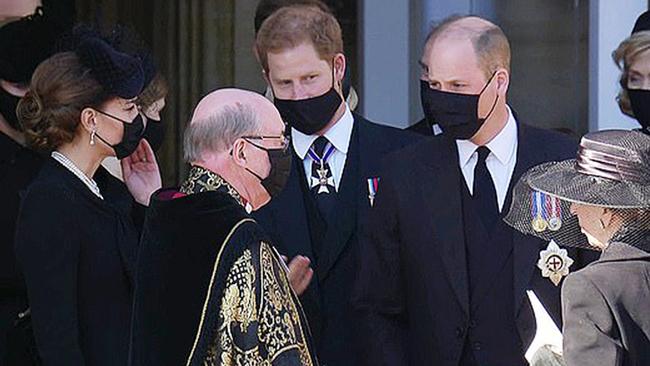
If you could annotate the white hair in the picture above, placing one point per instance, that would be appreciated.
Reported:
(219, 131)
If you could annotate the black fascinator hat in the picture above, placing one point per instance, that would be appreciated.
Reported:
(120, 74)
(116, 67)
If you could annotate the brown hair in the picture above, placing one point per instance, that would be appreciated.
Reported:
(624, 56)
(59, 90)
(267, 7)
(154, 91)
(490, 43)
(292, 25)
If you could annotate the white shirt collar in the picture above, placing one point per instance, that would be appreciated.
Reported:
(503, 145)
(339, 135)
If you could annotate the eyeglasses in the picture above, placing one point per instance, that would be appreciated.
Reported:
(284, 140)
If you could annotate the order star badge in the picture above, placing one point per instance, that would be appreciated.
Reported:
(554, 262)
(324, 180)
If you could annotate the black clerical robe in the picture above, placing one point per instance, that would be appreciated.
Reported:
(210, 288)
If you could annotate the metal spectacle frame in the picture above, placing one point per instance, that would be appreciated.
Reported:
(284, 138)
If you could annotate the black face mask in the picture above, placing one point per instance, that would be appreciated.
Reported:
(640, 101)
(8, 104)
(154, 133)
(455, 113)
(312, 114)
(131, 137)
(280, 160)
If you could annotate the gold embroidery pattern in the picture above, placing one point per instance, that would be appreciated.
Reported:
(280, 327)
(202, 180)
(197, 337)
(239, 304)
(237, 313)
(264, 333)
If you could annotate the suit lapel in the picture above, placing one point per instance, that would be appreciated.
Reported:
(293, 222)
(443, 202)
(344, 219)
(525, 250)
(291, 214)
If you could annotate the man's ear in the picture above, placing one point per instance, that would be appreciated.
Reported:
(339, 65)
(269, 93)
(239, 153)
(265, 75)
(502, 77)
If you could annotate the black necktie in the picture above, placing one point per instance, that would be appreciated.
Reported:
(484, 193)
(322, 180)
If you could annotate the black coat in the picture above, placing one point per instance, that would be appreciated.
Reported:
(327, 300)
(422, 127)
(605, 305)
(77, 254)
(412, 289)
(18, 166)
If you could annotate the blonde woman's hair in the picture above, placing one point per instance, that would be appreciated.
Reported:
(626, 53)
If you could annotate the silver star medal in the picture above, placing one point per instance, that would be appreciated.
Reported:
(554, 262)
(323, 180)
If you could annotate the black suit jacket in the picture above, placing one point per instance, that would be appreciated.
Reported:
(327, 300)
(412, 289)
(421, 127)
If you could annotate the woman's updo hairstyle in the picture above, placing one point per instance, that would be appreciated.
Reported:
(68, 82)
(60, 89)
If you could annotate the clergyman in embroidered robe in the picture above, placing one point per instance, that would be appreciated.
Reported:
(210, 288)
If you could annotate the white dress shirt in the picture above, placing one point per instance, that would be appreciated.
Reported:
(500, 163)
(339, 135)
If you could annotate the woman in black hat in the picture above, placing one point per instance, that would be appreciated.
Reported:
(633, 59)
(76, 237)
(600, 201)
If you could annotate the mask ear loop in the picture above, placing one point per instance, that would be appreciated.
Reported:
(488, 83)
(246, 168)
(340, 84)
(333, 74)
(495, 99)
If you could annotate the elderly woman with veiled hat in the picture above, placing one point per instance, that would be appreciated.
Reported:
(76, 236)
(600, 201)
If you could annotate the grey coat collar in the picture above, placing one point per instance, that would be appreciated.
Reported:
(619, 251)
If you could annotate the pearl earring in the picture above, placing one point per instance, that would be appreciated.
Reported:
(92, 137)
